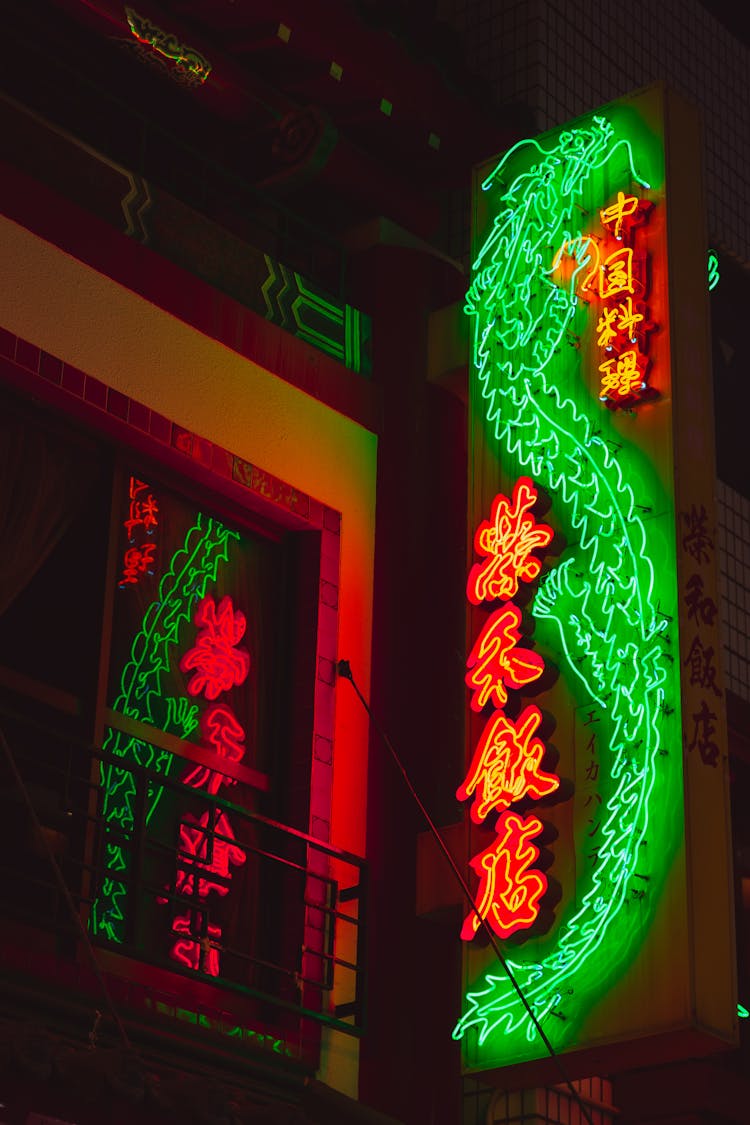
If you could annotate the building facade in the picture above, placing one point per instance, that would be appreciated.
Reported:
(236, 453)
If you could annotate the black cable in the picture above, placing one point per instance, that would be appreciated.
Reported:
(344, 670)
(63, 886)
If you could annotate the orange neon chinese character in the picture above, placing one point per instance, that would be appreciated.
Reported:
(219, 664)
(507, 540)
(629, 318)
(508, 894)
(507, 765)
(189, 951)
(209, 854)
(626, 212)
(607, 327)
(616, 275)
(225, 736)
(136, 561)
(624, 207)
(495, 663)
(623, 375)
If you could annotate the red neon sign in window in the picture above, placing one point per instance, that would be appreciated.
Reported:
(507, 765)
(496, 663)
(188, 950)
(509, 893)
(219, 664)
(507, 540)
(143, 511)
(212, 852)
(226, 737)
(137, 561)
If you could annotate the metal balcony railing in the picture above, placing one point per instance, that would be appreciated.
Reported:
(179, 878)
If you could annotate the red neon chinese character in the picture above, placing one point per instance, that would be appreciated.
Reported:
(137, 561)
(508, 894)
(208, 854)
(218, 662)
(226, 737)
(496, 664)
(189, 951)
(142, 512)
(507, 765)
(507, 540)
(623, 375)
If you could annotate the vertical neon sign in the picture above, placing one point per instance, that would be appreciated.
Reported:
(506, 764)
(217, 662)
(142, 521)
(571, 389)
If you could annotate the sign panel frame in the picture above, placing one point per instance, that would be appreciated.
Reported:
(591, 378)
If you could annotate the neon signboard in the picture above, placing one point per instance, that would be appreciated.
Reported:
(207, 844)
(506, 766)
(572, 393)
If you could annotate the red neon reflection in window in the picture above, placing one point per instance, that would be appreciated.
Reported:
(219, 665)
(507, 765)
(508, 894)
(137, 561)
(142, 511)
(189, 950)
(209, 855)
(507, 540)
(495, 663)
(226, 737)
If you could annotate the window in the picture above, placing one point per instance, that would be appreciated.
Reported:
(158, 654)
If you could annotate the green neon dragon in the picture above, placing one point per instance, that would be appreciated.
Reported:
(602, 605)
(142, 697)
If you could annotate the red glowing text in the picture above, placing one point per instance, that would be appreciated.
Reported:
(509, 893)
(507, 541)
(218, 663)
(507, 765)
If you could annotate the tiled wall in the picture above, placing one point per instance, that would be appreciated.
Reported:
(734, 587)
(555, 1105)
(566, 57)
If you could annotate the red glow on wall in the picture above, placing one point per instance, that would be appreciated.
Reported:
(219, 665)
(509, 893)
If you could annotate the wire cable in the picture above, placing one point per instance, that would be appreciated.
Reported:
(344, 670)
